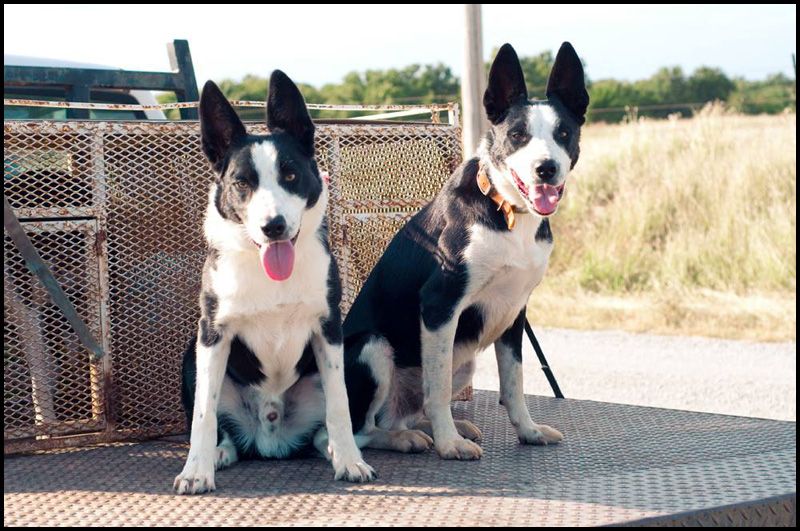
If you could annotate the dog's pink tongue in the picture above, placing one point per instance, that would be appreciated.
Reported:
(545, 198)
(278, 259)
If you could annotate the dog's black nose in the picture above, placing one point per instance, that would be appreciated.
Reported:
(275, 228)
(547, 169)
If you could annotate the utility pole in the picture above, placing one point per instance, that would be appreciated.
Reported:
(473, 81)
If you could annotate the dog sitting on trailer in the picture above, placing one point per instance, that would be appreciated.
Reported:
(457, 277)
(265, 373)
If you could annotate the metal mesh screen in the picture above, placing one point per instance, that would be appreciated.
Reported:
(124, 204)
(51, 385)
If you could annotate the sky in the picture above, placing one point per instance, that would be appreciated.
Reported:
(320, 44)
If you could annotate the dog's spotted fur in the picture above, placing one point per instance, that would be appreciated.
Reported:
(264, 376)
(456, 279)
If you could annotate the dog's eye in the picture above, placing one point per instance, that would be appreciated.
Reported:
(241, 185)
(289, 177)
(517, 135)
(564, 134)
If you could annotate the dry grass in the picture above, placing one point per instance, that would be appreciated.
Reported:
(679, 226)
(754, 317)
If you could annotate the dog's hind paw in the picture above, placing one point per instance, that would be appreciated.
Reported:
(465, 428)
(539, 434)
(226, 455)
(468, 430)
(411, 441)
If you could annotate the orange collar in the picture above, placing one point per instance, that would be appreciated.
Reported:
(487, 189)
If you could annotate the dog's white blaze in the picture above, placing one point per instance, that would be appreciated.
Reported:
(270, 199)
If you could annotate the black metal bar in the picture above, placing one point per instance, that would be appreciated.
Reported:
(67, 77)
(40, 269)
(79, 81)
(78, 93)
(180, 59)
(545, 367)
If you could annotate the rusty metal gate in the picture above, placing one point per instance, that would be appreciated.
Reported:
(115, 209)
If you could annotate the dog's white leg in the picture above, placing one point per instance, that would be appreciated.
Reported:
(198, 473)
(437, 385)
(345, 455)
(508, 350)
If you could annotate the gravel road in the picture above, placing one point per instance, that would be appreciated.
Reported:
(691, 373)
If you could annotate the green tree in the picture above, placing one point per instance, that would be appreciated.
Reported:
(709, 84)
(667, 91)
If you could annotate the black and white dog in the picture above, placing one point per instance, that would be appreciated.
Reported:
(265, 372)
(458, 275)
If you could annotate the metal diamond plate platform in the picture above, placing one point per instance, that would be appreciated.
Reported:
(618, 465)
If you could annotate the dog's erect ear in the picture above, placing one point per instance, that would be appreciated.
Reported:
(220, 127)
(506, 84)
(286, 110)
(567, 84)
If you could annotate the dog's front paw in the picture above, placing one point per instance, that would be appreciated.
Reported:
(460, 448)
(195, 478)
(356, 471)
(539, 434)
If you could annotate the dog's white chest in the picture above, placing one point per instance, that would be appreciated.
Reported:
(274, 319)
(504, 267)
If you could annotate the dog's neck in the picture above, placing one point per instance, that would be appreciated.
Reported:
(500, 183)
(487, 188)
(499, 189)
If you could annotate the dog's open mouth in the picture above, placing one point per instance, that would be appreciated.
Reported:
(277, 258)
(545, 197)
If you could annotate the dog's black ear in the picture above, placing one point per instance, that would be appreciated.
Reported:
(220, 127)
(567, 84)
(506, 84)
(286, 110)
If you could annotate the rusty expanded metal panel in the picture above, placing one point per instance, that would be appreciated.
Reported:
(142, 189)
(51, 384)
(381, 176)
